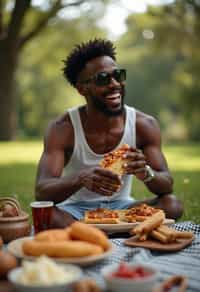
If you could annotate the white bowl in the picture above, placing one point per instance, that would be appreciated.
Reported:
(63, 287)
(119, 284)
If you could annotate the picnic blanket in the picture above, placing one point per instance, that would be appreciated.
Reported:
(185, 262)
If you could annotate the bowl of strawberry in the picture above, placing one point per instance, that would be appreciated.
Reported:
(129, 277)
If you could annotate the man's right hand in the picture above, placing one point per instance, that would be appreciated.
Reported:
(99, 180)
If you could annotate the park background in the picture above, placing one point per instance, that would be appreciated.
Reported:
(157, 42)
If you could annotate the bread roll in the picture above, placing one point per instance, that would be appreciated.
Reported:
(82, 231)
(53, 235)
(60, 249)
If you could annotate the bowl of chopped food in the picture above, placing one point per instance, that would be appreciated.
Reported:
(129, 277)
(44, 275)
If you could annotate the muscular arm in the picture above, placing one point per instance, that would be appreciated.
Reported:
(49, 183)
(149, 140)
(58, 146)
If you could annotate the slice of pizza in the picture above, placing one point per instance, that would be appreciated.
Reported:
(139, 213)
(114, 160)
(101, 216)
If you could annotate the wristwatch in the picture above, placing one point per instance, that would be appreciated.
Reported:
(149, 174)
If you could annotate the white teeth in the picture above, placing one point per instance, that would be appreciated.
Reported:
(115, 95)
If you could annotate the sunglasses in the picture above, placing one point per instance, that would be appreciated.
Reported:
(104, 78)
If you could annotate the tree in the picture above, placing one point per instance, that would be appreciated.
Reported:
(177, 33)
(20, 22)
(43, 92)
(149, 79)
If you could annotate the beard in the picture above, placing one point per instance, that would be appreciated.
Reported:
(103, 108)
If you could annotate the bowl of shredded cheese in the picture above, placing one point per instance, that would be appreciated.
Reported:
(44, 275)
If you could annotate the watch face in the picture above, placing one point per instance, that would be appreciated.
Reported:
(150, 174)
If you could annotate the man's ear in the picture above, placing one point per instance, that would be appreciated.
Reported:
(82, 88)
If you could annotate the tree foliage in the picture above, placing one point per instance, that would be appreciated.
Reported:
(20, 22)
(161, 51)
(178, 34)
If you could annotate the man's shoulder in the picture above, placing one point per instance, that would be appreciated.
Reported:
(147, 129)
(145, 120)
(60, 130)
(60, 123)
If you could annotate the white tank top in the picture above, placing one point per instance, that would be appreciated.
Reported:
(83, 156)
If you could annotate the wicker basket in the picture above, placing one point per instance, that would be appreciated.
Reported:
(14, 227)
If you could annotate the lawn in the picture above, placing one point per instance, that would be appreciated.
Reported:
(18, 161)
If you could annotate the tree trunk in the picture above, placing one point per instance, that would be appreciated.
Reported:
(8, 106)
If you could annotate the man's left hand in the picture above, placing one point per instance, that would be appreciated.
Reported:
(135, 164)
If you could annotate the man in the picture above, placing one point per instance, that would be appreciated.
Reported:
(68, 172)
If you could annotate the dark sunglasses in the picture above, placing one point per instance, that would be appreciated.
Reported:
(104, 78)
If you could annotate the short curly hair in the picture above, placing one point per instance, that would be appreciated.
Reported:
(83, 53)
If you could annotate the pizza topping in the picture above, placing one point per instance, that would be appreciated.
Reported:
(111, 157)
(142, 210)
(135, 214)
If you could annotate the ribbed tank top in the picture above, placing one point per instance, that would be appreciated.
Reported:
(83, 157)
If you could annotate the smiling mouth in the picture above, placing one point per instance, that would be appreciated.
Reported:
(113, 96)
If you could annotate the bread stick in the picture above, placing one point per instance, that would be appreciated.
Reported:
(168, 232)
(183, 234)
(82, 231)
(68, 248)
(159, 236)
(150, 223)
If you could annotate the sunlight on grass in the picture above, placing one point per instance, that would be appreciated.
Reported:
(184, 158)
(23, 152)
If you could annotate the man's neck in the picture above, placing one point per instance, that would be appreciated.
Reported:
(98, 120)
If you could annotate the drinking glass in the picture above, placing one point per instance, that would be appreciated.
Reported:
(42, 215)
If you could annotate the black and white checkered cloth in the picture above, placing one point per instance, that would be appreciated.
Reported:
(185, 262)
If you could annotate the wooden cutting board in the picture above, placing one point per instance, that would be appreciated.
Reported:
(156, 245)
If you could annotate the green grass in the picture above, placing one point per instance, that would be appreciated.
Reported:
(18, 161)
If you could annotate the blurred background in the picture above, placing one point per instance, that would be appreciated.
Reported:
(157, 42)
